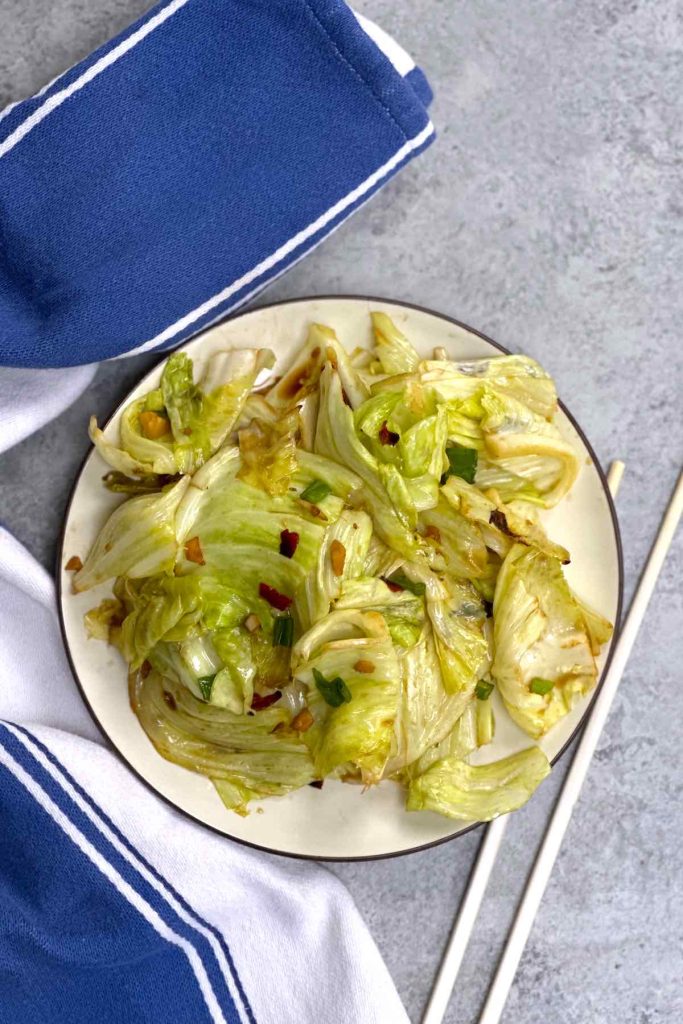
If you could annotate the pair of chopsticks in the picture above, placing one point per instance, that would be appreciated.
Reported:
(550, 847)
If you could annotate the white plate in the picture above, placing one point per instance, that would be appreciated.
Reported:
(339, 821)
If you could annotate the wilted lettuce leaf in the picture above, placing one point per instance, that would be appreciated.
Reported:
(499, 524)
(486, 724)
(301, 377)
(136, 455)
(322, 347)
(157, 606)
(183, 403)
(422, 446)
(525, 455)
(225, 387)
(478, 792)
(520, 377)
(241, 753)
(358, 735)
(457, 540)
(540, 631)
(100, 620)
(352, 531)
(458, 743)
(233, 686)
(336, 438)
(392, 349)
(268, 454)
(427, 711)
(380, 560)
(598, 628)
(459, 623)
(403, 612)
(137, 540)
(199, 417)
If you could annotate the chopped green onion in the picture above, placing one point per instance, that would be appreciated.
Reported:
(486, 725)
(206, 685)
(483, 690)
(316, 491)
(462, 462)
(542, 686)
(334, 692)
(401, 580)
(283, 631)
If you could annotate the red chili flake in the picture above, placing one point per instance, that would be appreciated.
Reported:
(390, 583)
(145, 669)
(274, 597)
(74, 564)
(317, 783)
(289, 542)
(387, 436)
(259, 702)
(346, 399)
(169, 699)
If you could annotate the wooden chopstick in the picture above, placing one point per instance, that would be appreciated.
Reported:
(479, 879)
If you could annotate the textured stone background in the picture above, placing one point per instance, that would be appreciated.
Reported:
(549, 215)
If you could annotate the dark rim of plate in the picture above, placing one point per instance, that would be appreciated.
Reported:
(361, 857)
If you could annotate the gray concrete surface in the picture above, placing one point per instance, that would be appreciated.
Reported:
(549, 215)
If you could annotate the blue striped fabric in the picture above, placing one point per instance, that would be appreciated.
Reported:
(172, 174)
(90, 931)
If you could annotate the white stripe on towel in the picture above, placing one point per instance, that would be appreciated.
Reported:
(128, 855)
(93, 71)
(289, 246)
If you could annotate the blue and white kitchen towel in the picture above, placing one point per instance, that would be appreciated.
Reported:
(171, 175)
(144, 193)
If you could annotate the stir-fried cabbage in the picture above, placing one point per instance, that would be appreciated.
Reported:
(329, 574)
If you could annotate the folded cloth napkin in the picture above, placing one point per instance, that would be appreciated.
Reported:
(186, 163)
(114, 908)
